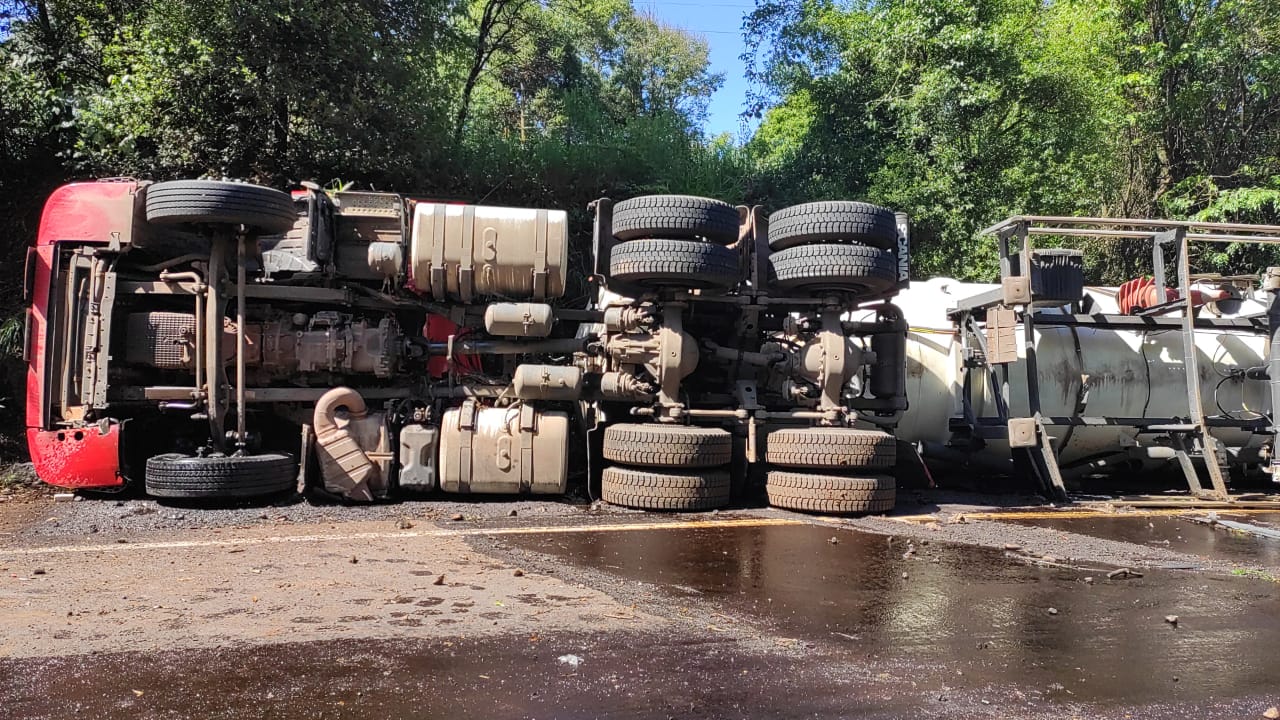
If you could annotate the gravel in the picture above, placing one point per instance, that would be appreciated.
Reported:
(99, 516)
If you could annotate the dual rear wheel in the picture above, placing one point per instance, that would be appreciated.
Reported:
(680, 242)
(824, 470)
(840, 471)
(834, 245)
(666, 467)
(675, 241)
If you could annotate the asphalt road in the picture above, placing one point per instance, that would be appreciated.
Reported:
(570, 611)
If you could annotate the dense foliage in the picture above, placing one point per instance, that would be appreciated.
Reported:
(513, 101)
(964, 111)
(956, 111)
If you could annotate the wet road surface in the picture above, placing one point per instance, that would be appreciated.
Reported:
(703, 618)
(1181, 534)
(944, 608)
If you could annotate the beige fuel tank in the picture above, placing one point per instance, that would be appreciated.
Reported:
(460, 252)
(503, 450)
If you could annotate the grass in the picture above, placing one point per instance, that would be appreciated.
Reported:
(1255, 574)
(15, 475)
(11, 333)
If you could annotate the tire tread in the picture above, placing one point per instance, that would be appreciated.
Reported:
(668, 262)
(832, 221)
(670, 490)
(657, 445)
(832, 494)
(675, 216)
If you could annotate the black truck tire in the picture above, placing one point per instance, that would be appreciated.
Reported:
(833, 221)
(231, 476)
(657, 445)
(668, 490)
(831, 494)
(216, 202)
(842, 448)
(847, 268)
(663, 262)
(683, 217)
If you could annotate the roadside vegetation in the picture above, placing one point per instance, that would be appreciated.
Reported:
(957, 112)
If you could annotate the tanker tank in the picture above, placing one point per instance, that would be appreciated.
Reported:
(1084, 371)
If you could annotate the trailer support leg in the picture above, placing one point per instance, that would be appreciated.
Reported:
(1191, 366)
(1048, 461)
(1184, 462)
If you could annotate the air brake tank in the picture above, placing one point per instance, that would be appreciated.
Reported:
(1082, 371)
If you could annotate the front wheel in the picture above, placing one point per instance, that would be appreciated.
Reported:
(217, 202)
(220, 476)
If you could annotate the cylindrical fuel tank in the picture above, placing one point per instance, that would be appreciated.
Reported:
(460, 252)
(1082, 371)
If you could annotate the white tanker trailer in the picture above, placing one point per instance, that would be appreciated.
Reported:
(1111, 392)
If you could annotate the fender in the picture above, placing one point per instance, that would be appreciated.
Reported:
(87, 457)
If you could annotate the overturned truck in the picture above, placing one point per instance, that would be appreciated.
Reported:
(220, 339)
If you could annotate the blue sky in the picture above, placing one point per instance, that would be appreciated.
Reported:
(719, 22)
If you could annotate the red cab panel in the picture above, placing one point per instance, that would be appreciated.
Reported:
(77, 458)
(89, 212)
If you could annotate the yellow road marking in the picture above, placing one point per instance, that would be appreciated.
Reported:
(379, 535)
(1087, 513)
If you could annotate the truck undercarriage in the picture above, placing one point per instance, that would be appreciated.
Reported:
(216, 339)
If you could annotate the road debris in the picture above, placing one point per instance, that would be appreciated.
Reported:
(1171, 619)
(1212, 520)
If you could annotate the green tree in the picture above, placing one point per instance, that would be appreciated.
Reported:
(956, 112)
(267, 90)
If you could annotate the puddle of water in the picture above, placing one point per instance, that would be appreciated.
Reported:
(1179, 534)
(972, 611)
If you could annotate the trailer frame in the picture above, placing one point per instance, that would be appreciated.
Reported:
(986, 321)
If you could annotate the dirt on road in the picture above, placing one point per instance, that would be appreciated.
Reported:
(124, 607)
